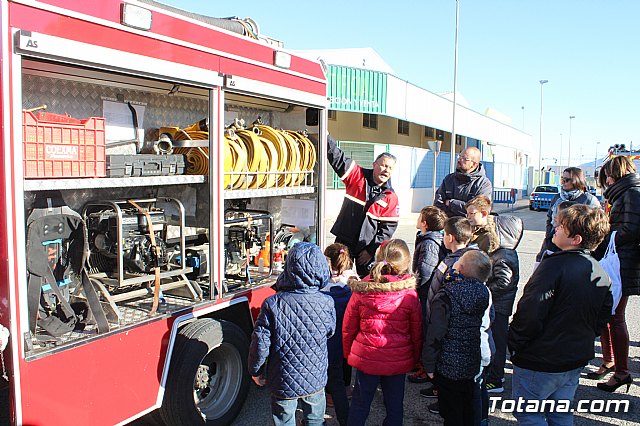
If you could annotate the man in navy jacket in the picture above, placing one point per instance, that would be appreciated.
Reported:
(468, 181)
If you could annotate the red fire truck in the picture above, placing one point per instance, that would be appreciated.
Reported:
(141, 215)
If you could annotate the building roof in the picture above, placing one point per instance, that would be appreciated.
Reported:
(359, 57)
(409, 102)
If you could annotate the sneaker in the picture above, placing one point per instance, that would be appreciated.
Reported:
(494, 387)
(434, 408)
(431, 392)
(419, 376)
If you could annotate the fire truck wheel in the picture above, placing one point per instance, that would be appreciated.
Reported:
(208, 379)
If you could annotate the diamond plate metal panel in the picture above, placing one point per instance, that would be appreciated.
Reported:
(82, 100)
(132, 312)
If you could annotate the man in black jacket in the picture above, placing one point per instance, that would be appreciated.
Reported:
(565, 305)
(370, 210)
(467, 182)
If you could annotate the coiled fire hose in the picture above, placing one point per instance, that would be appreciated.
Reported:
(256, 157)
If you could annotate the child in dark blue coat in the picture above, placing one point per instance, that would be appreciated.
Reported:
(452, 346)
(342, 270)
(290, 338)
(429, 251)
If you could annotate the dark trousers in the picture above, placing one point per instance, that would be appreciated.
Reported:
(423, 292)
(481, 402)
(499, 330)
(347, 371)
(615, 340)
(364, 391)
(456, 401)
(336, 387)
(362, 270)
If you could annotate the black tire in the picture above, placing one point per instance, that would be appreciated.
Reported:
(208, 380)
(530, 207)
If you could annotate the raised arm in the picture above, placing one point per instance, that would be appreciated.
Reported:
(340, 163)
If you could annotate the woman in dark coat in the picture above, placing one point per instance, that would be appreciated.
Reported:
(622, 190)
(574, 190)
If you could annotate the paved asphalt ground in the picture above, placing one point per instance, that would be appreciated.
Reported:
(256, 411)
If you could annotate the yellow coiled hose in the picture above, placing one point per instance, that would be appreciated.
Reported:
(197, 158)
(260, 157)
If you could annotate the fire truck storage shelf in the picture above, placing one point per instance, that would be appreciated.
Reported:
(124, 182)
(48, 184)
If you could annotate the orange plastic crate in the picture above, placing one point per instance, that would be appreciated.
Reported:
(54, 149)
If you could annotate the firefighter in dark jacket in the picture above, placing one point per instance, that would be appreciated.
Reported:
(370, 210)
(468, 181)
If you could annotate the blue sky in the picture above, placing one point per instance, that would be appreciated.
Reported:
(587, 49)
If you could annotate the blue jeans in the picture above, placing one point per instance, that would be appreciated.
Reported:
(283, 411)
(364, 391)
(537, 385)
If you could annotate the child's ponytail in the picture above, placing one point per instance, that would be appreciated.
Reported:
(393, 258)
(377, 272)
(339, 258)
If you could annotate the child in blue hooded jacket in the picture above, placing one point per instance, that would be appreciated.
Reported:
(290, 337)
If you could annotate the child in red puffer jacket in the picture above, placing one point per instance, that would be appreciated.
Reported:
(382, 332)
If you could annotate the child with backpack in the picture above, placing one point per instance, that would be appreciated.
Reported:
(429, 251)
(382, 332)
(452, 346)
(341, 267)
(289, 340)
(498, 236)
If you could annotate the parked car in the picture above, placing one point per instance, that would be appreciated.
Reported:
(540, 198)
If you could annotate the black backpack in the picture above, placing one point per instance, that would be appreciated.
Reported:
(56, 256)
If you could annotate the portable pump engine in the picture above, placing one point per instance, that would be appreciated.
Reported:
(246, 234)
(137, 251)
(242, 246)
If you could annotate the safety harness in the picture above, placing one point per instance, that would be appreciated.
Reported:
(56, 256)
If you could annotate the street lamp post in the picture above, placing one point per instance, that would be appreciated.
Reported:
(571, 117)
(434, 146)
(452, 166)
(523, 118)
(542, 83)
(595, 160)
(560, 159)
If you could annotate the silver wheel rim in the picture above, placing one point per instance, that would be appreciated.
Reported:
(218, 381)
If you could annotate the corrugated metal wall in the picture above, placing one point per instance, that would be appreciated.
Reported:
(357, 90)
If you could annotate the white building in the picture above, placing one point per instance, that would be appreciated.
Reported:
(373, 110)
